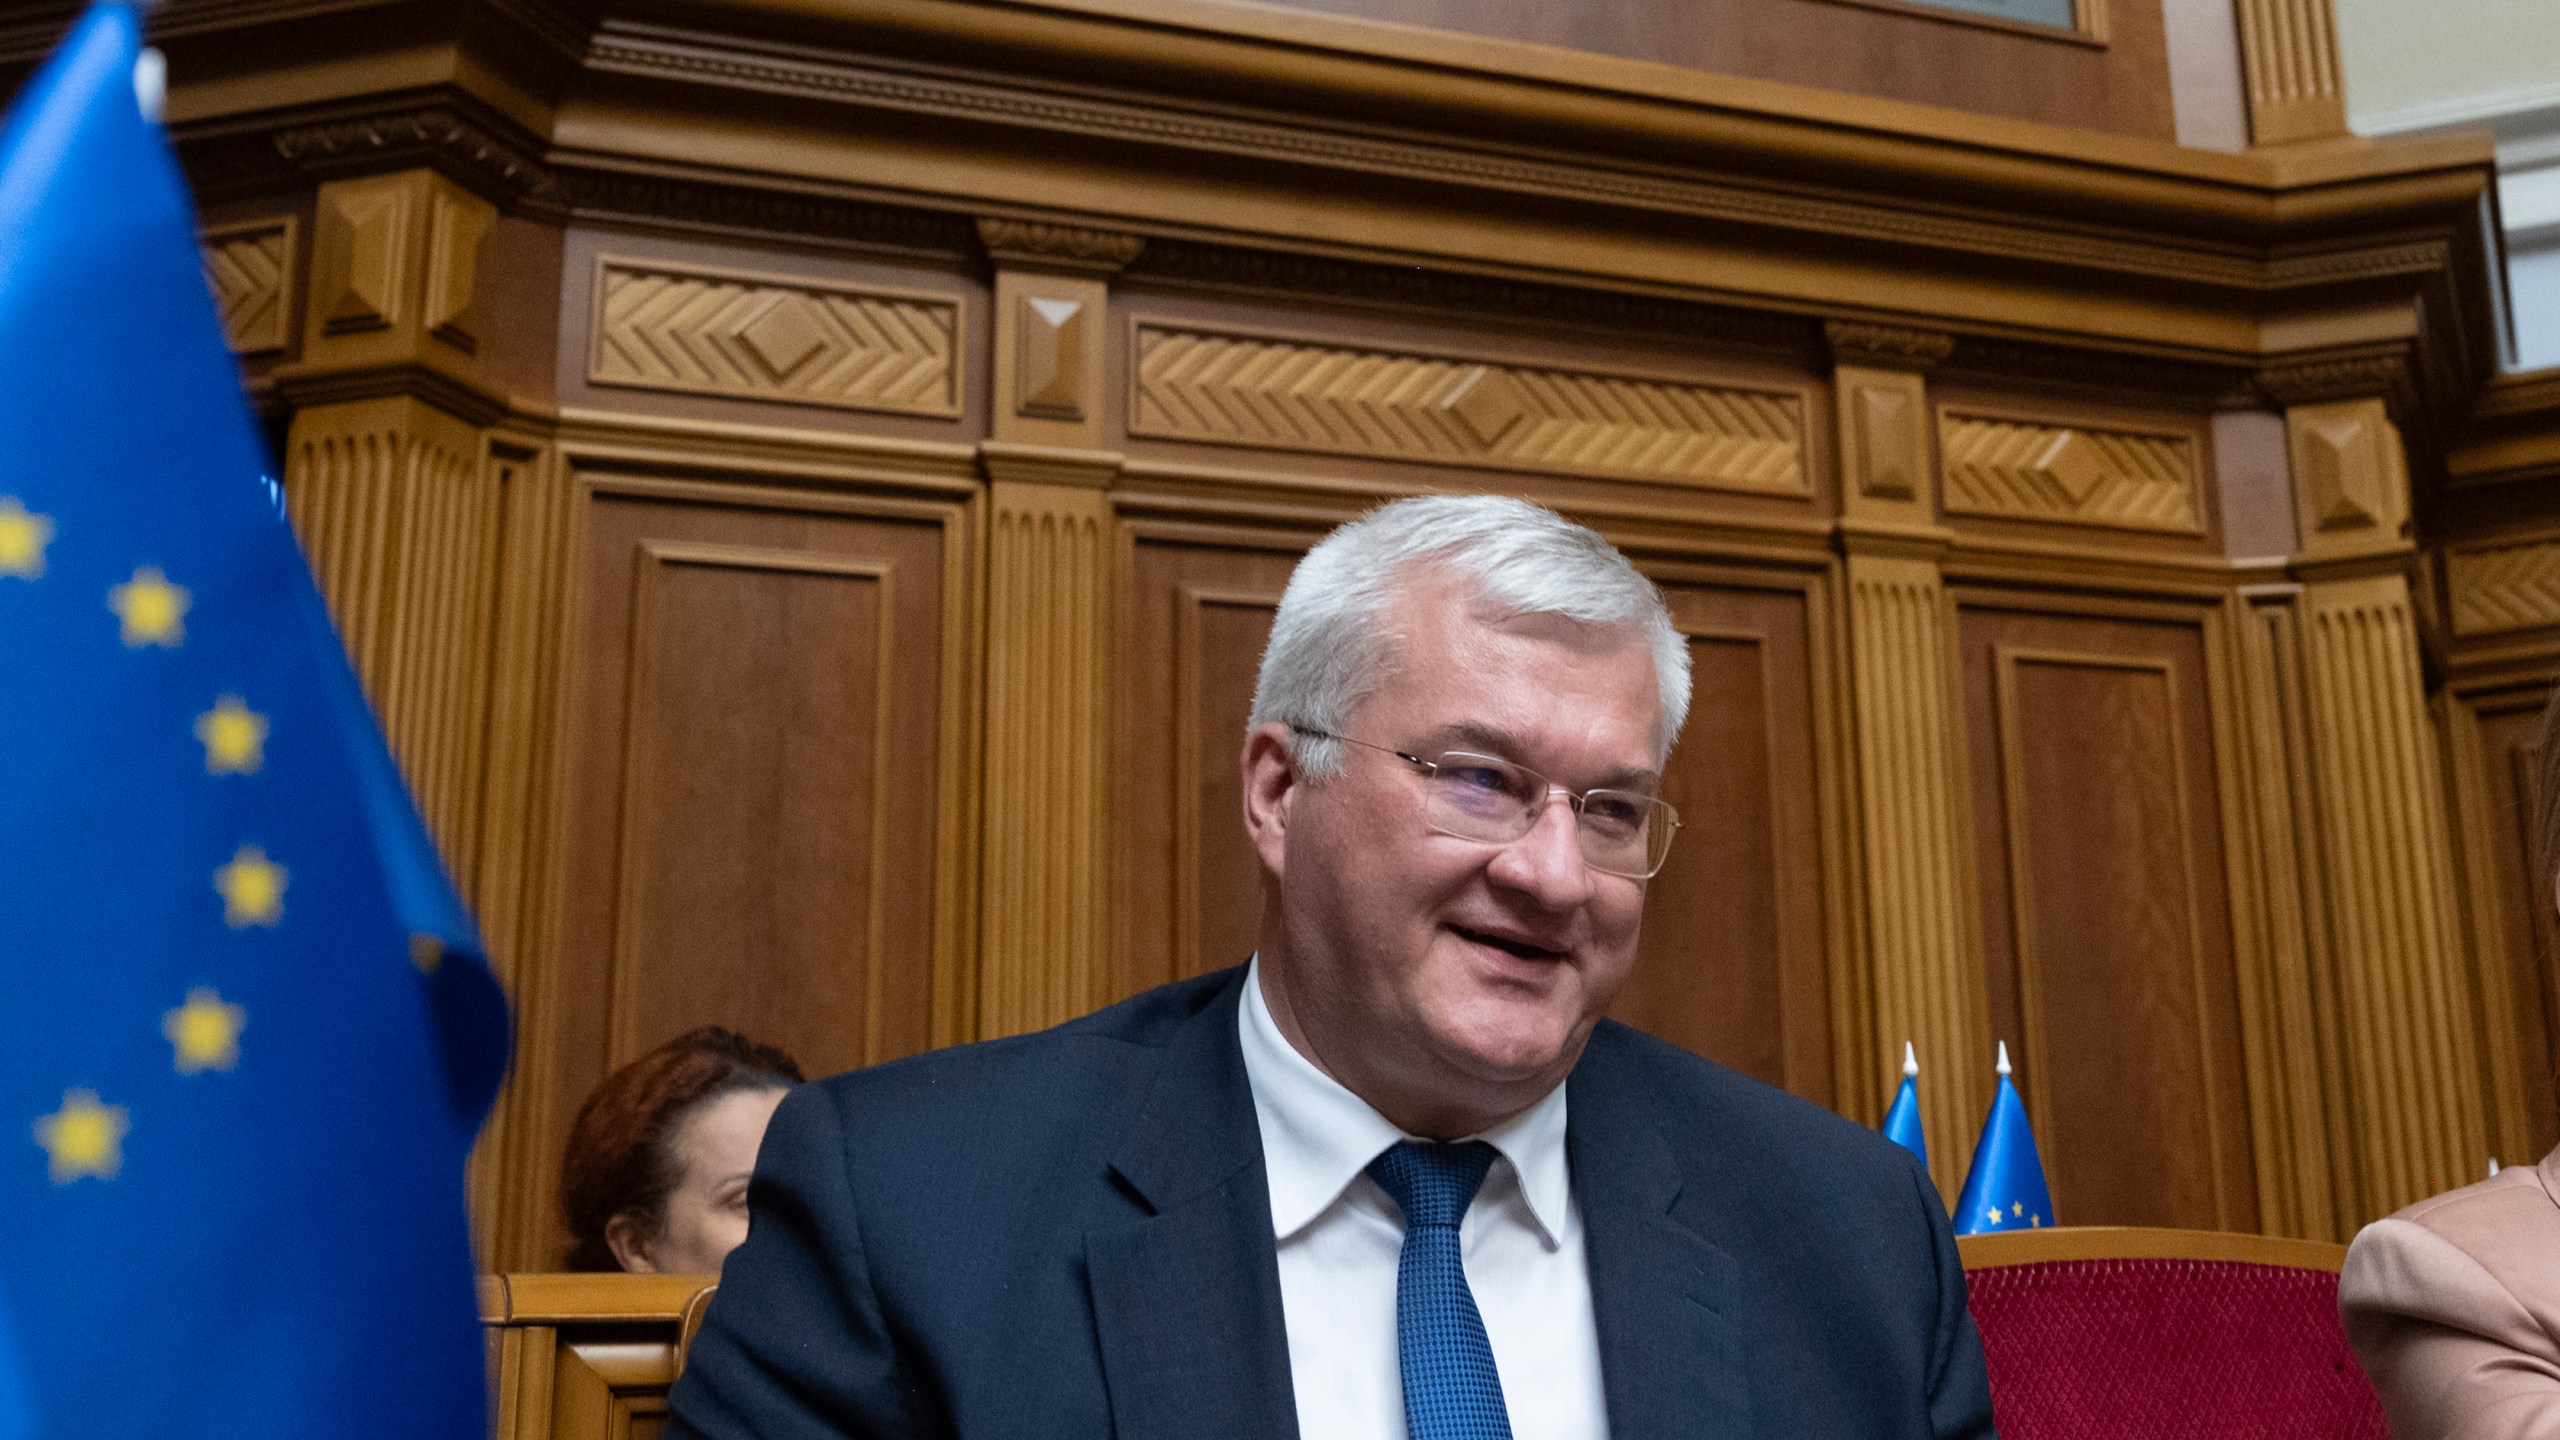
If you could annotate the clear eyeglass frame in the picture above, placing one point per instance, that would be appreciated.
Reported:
(1494, 801)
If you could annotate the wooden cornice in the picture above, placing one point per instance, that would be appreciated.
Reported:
(1232, 128)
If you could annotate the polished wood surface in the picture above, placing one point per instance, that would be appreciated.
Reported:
(2119, 1242)
(806, 485)
(587, 1357)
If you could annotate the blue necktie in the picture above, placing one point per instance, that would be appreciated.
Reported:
(1451, 1390)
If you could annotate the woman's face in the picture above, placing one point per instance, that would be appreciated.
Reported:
(706, 1215)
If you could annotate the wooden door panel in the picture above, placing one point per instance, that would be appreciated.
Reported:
(754, 817)
(2108, 953)
(1734, 963)
(1190, 885)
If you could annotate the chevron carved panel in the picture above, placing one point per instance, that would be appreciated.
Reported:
(1248, 390)
(249, 268)
(807, 342)
(2515, 588)
(2075, 475)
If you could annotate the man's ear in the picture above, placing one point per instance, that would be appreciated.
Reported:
(628, 1239)
(1270, 786)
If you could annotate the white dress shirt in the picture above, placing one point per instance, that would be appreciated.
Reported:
(1340, 1237)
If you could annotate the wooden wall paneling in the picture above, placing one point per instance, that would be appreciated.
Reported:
(770, 710)
(1914, 859)
(2494, 766)
(1742, 932)
(522, 834)
(1916, 830)
(2108, 949)
(1200, 597)
(2275, 918)
(404, 524)
(2412, 1110)
(1284, 391)
(1047, 934)
(1046, 924)
(2289, 57)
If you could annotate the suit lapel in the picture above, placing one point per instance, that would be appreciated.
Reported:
(1666, 1300)
(1186, 1298)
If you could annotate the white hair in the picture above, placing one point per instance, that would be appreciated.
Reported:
(1328, 649)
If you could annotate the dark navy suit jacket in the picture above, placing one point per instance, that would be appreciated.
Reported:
(1068, 1235)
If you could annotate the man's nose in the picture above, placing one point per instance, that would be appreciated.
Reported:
(1547, 862)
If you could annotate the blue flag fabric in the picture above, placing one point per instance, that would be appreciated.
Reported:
(2005, 1189)
(249, 1034)
(1902, 1122)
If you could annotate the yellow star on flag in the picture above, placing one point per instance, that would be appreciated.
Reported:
(83, 1137)
(22, 539)
(252, 889)
(153, 610)
(234, 736)
(205, 1031)
(2018, 1208)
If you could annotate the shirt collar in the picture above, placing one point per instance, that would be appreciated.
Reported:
(1317, 1137)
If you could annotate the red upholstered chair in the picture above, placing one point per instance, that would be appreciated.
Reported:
(2109, 1334)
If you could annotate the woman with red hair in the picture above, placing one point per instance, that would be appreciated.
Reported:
(655, 1179)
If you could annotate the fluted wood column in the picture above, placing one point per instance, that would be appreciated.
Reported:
(2404, 1019)
(387, 476)
(1046, 882)
(1923, 946)
(2289, 57)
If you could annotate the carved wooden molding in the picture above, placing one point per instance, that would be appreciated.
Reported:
(2070, 474)
(251, 269)
(769, 337)
(693, 60)
(1248, 390)
(437, 135)
(2515, 587)
(1919, 870)
(2313, 379)
(1044, 935)
(2402, 991)
(1885, 346)
(2350, 481)
(2289, 52)
(1058, 247)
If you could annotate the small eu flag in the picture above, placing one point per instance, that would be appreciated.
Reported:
(249, 1035)
(1902, 1122)
(2005, 1188)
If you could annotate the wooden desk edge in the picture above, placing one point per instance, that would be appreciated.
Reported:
(2125, 1242)
(578, 1299)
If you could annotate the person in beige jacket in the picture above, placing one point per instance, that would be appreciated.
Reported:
(2453, 1305)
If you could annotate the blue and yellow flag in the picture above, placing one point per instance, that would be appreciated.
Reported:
(1902, 1122)
(248, 1033)
(2005, 1188)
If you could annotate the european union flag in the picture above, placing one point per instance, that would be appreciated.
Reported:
(249, 1034)
(2005, 1188)
(1902, 1122)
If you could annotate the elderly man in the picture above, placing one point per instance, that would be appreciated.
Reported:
(1395, 1179)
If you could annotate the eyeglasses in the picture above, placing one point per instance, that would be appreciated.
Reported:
(1489, 799)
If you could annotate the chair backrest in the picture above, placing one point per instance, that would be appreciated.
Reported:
(2108, 1334)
